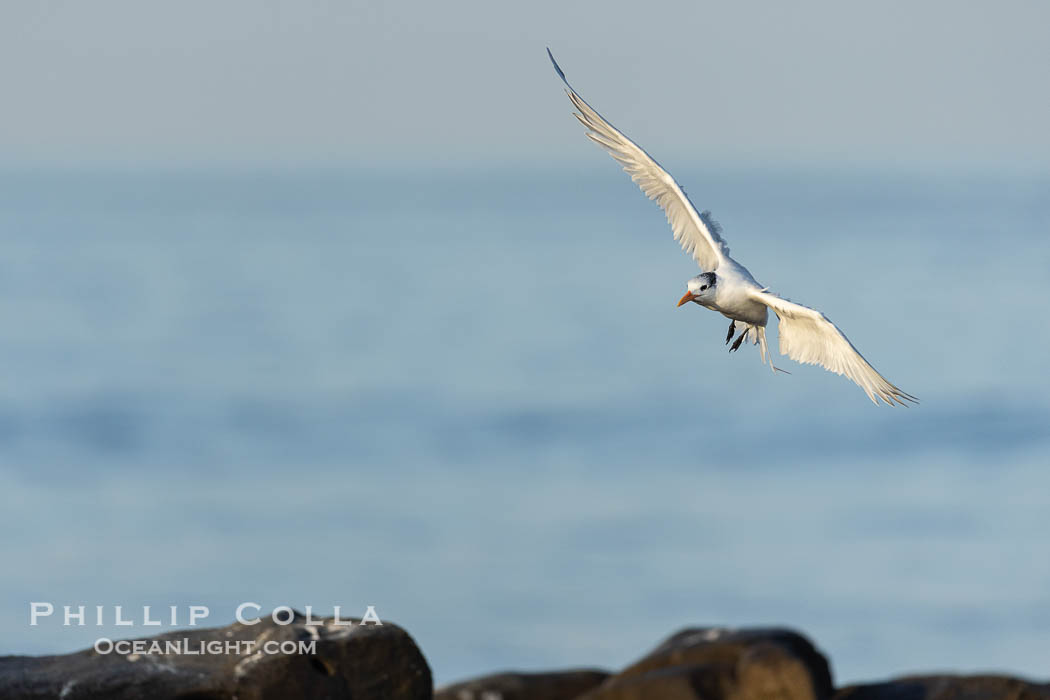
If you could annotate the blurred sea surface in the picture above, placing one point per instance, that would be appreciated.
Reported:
(468, 399)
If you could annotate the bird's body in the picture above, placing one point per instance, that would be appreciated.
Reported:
(733, 298)
(726, 286)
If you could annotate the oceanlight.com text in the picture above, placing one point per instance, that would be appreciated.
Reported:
(186, 647)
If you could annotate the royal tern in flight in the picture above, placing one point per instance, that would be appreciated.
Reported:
(806, 335)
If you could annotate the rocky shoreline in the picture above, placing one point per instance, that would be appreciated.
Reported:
(382, 662)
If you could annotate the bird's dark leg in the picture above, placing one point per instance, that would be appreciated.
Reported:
(732, 330)
(736, 345)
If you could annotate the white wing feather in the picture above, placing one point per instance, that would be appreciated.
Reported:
(807, 336)
(698, 234)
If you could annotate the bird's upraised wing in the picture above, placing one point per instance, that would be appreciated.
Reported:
(696, 231)
(807, 336)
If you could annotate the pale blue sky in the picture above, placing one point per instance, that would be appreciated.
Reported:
(422, 84)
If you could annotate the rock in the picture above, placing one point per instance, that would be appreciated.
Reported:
(363, 662)
(720, 664)
(948, 688)
(554, 685)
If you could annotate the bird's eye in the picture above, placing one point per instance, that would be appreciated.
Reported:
(703, 287)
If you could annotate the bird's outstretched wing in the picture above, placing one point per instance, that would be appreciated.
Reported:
(696, 231)
(807, 336)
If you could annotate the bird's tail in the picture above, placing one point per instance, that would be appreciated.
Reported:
(760, 333)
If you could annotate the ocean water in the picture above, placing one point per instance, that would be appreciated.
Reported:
(468, 400)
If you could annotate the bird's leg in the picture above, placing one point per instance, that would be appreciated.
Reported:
(740, 339)
(732, 330)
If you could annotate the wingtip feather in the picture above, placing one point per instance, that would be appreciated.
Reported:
(557, 68)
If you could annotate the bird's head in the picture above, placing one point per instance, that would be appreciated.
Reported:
(700, 289)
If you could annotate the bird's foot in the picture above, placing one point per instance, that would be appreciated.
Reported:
(732, 330)
(740, 339)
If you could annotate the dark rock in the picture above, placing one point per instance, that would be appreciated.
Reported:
(948, 688)
(707, 681)
(363, 662)
(720, 664)
(555, 685)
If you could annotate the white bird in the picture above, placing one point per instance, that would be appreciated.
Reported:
(806, 335)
